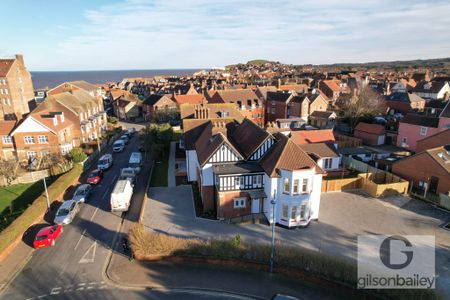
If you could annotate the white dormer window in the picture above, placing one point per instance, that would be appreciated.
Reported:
(62, 117)
(55, 120)
(423, 130)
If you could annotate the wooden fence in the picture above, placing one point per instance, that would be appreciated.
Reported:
(345, 141)
(28, 177)
(338, 185)
(383, 184)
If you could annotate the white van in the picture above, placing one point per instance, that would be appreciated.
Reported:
(119, 146)
(135, 161)
(105, 162)
(121, 196)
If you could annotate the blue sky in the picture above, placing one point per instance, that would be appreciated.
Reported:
(156, 34)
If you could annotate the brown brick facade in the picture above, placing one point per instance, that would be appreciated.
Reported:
(225, 201)
(40, 148)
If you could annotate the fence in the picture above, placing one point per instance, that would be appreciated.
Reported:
(383, 184)
(338, 185)
(26, 177)
(345, 141)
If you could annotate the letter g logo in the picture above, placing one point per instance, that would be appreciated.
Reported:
(386, 254)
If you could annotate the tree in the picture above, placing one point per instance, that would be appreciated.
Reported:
(8, 169)
(77, 155)
(364, 103)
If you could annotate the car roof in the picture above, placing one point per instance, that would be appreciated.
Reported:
(67, 203)
(83, 186)
(45, 230)
(104, 156)
(119, 142)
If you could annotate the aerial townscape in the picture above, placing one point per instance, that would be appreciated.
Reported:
(274, 178)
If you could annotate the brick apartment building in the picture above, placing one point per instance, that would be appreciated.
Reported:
(16, 89)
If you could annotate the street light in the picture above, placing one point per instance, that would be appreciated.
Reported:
(272, 253)
(46, 195)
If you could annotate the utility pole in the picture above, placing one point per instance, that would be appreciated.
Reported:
(272, 253)
(46, 195)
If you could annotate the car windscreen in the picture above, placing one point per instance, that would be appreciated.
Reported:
(41, 237)
(80, 192)
(62, 212)
(94, 174)
(134, 165)
(102, 162)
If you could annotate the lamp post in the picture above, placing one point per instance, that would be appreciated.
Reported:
(46, 195)
(272, 253)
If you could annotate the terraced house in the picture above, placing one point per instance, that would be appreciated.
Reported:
(240, 168)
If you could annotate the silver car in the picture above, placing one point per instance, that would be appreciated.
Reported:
(67, 212)
(82, 193)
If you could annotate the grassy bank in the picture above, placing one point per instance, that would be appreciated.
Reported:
(159, 175)
(38, 206)
(290, 259)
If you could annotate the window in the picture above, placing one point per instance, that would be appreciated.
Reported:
(43, 139)
(302, 212)
(259, 115)
(286, 186)
(295, 187)
(273, 110)
(285, 211)
(293, 212)
(305, 185)
(7, 139)
(423, 130)
(28, 139)
(404, 139)
(239, 203)
(257, 180)
(327, 162)
(9, 101)
(239, 182)
(6, 91)
(273, 102)
(1, 91)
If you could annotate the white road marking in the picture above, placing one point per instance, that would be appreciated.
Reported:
(30, 298)
(42, 296)
(92, 283)
(80, 288)
(95, 211)
(90, 287)
(55, 291)
(82, 284)
(84, 259)
(81, 237)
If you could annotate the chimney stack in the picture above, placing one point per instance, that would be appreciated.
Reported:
(19, 57)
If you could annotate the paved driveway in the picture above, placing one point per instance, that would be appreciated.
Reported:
(342, 217)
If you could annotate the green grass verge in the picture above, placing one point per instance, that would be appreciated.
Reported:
(159, 174)
(39, 205)
(19, 195)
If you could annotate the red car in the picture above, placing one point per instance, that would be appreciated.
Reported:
(95, 177)
(47, 236)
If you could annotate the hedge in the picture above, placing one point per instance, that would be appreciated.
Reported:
(39, 206)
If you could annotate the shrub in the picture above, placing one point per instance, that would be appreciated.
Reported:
(77, 155)
(112, 120)
(39, 205)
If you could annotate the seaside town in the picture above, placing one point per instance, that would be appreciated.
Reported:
(314, 166)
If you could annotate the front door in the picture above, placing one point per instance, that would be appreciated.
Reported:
(434, 181)
(256, 206)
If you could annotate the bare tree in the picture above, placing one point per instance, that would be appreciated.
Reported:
(8, 169)
(364, 103)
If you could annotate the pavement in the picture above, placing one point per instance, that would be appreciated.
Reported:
(343, 216)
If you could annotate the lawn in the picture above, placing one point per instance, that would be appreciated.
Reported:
(159, 175)
(20, 195)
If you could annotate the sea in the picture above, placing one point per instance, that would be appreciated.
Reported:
(50, 79)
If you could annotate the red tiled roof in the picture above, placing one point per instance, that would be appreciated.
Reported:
(190, 99)
(332, 85)
(370, 128)
(6, 127)
(5, 65)
(302, 137)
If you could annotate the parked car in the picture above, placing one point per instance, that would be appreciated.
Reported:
(67, 212)
(131, 131)
(105, 162)
(47, 236)
(125, 138)
(95, 177)
(82, 193)
(129, 174)
(118, 146)
(380, 120)
(135, 161)
(398, 116)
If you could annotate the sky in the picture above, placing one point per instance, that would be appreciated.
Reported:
(56, 35)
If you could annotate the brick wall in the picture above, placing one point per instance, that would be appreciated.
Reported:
(22, 148)
(225, 201)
